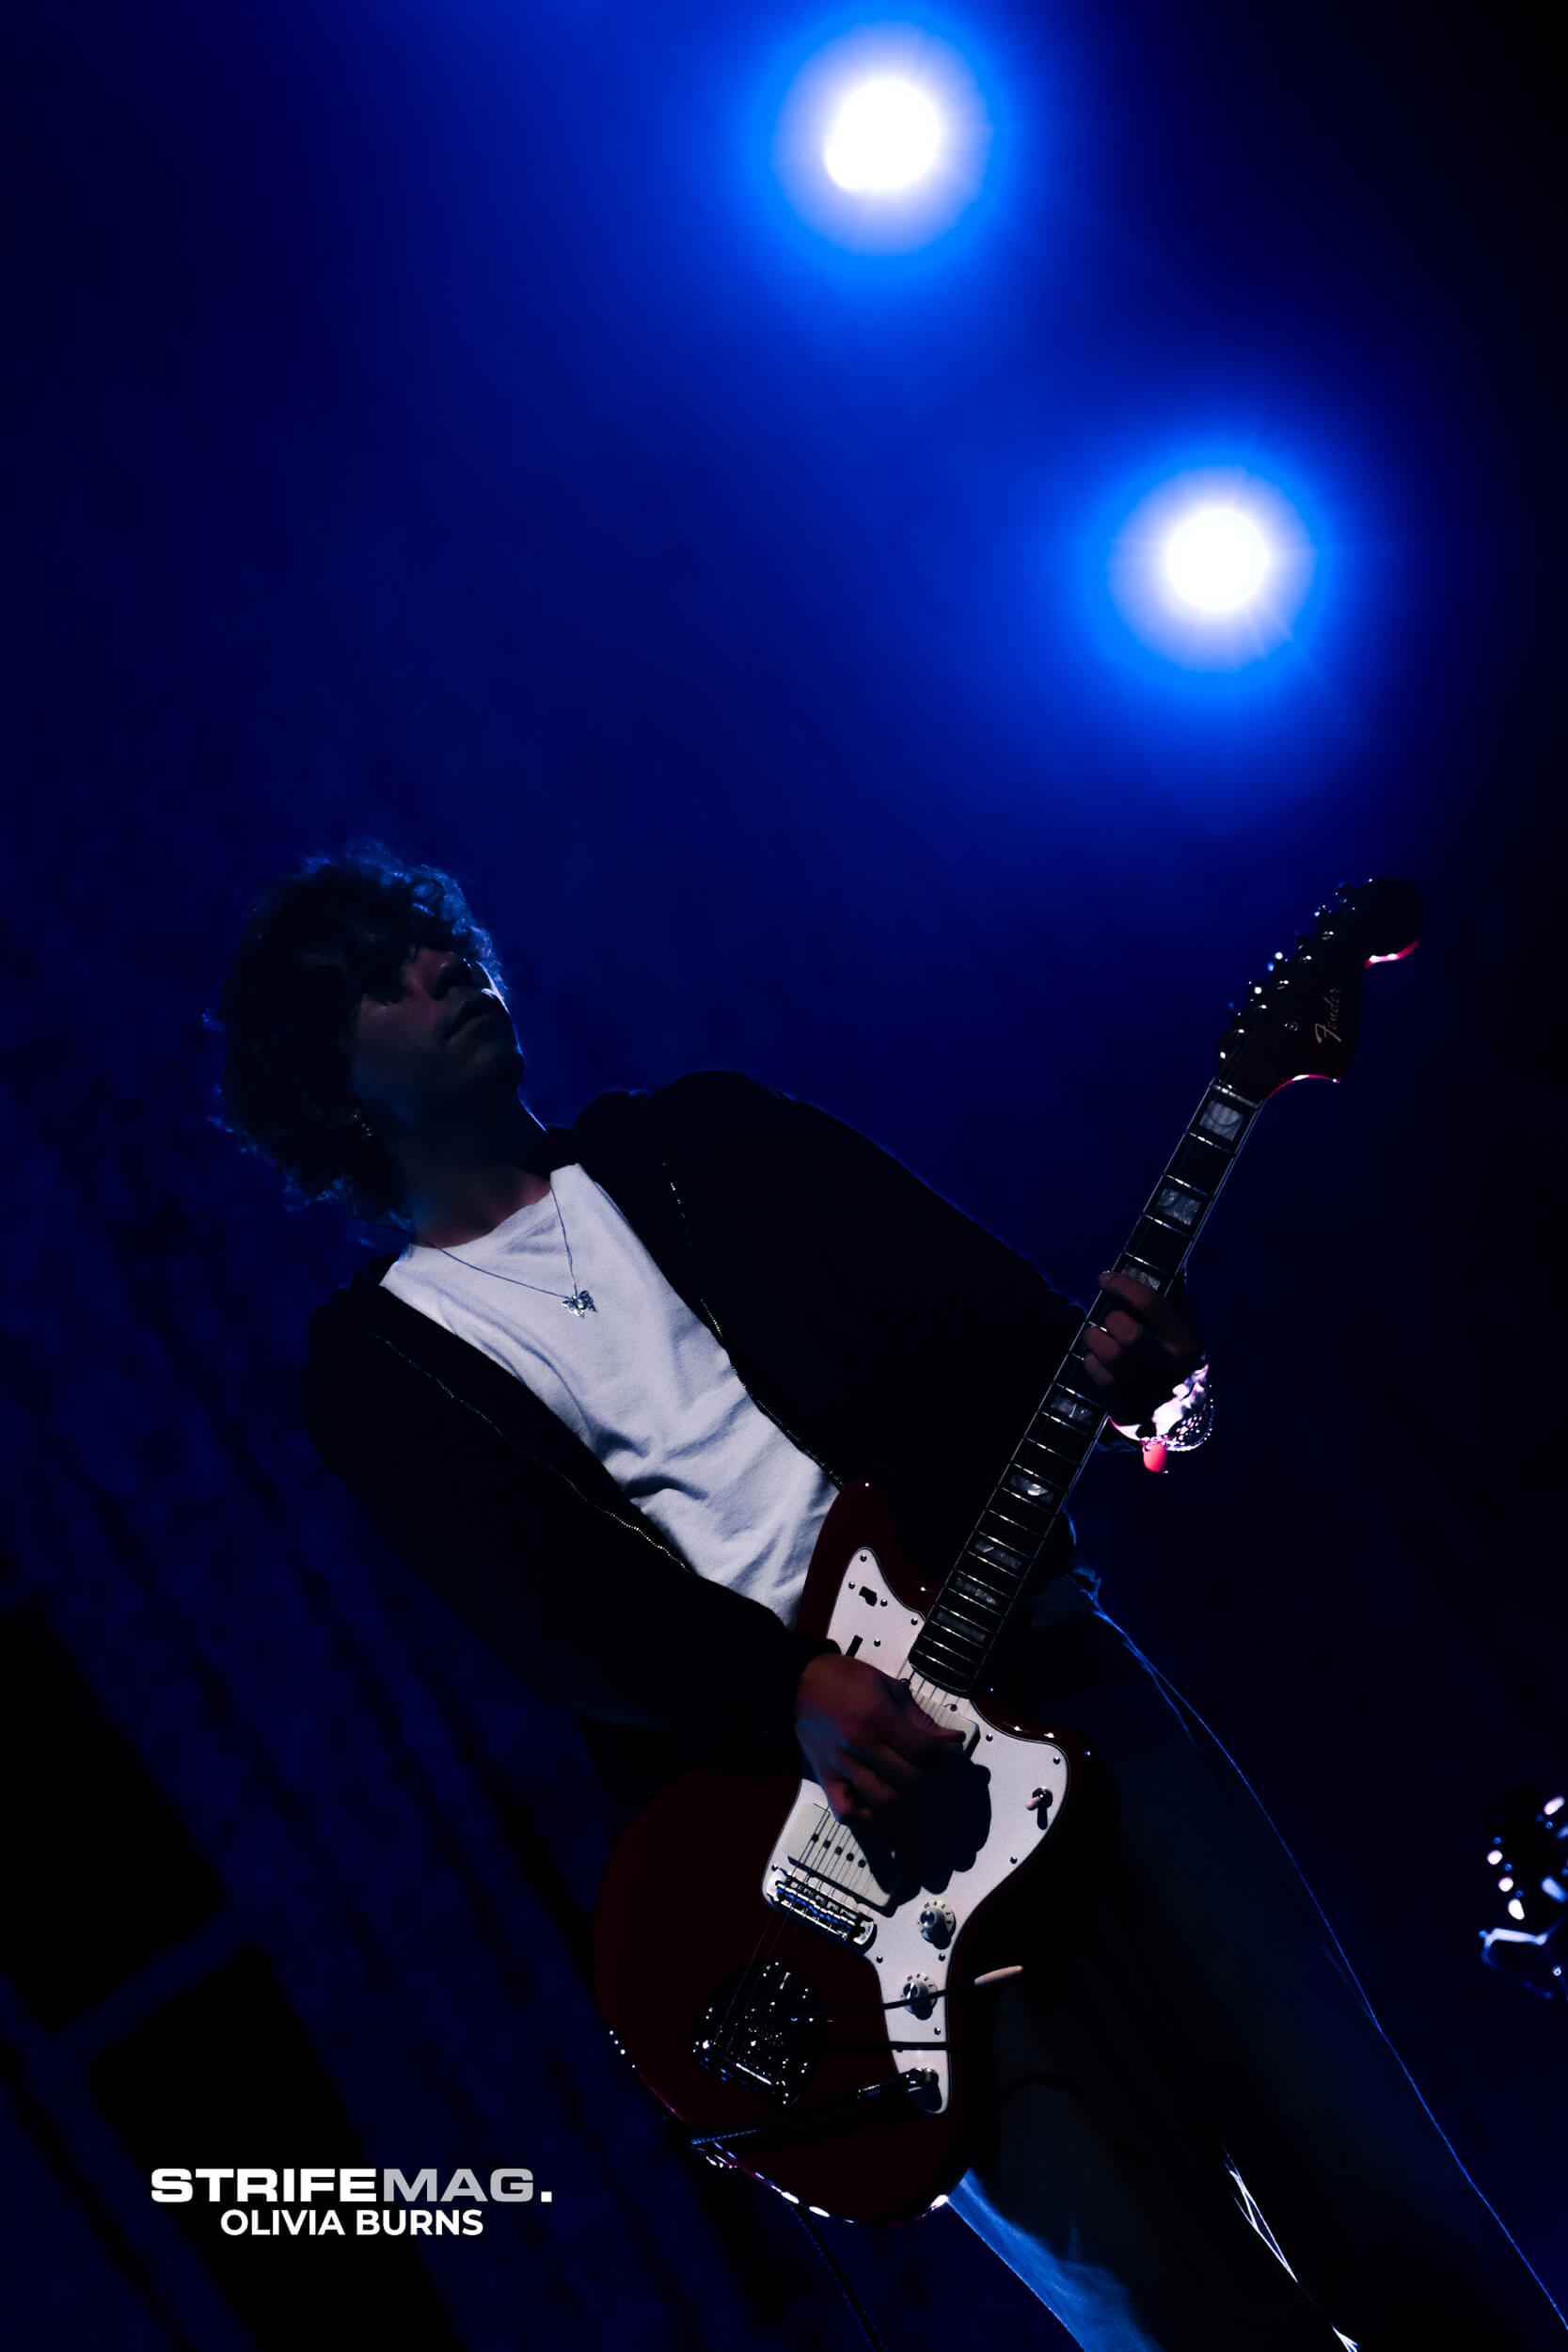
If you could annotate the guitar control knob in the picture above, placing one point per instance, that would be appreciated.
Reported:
(919, 1995)
(937, 1923)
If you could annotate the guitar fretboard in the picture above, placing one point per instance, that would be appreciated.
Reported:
(962, 1631)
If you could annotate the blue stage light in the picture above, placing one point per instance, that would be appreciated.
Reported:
(886, 135)
(1213, 569)
(882, 140)
(1216, 558)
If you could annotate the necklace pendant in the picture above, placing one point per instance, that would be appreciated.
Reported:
(580, 1303)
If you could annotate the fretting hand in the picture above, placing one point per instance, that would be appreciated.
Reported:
(1143, 1351)
(866, 1739)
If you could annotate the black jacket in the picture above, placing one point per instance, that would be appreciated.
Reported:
(886, 1333)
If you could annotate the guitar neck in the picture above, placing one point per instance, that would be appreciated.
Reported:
(962, 1632)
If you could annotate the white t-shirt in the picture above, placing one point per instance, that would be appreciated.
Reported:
(641, 1380)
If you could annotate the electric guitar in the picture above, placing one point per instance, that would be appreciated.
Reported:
(806, 1996)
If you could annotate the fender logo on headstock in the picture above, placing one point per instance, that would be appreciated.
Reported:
(1322, 1029)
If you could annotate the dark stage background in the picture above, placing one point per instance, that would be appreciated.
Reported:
(431, 424)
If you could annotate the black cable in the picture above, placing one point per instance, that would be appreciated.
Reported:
(873, 2339)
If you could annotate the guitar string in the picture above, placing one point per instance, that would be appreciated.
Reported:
(856, 1877)
(851, 1874)
(856, 1874)
(780, 1921)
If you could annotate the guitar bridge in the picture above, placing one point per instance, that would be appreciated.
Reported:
(808, 1902)
(761, 2031)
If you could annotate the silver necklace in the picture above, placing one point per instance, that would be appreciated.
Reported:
(576, 1301)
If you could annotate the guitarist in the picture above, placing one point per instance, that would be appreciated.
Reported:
(601, 1401)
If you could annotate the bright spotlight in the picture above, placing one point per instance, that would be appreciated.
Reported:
(1216, 558)
(886, 135)
(882, 140)
(1211, 568)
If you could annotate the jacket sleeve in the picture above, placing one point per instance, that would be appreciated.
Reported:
(889, 1202)
(588, 1610)
(906, 1340)
(935, 1280)
(762, 1139)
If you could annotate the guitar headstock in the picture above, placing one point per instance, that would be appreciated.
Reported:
(1301, 1020)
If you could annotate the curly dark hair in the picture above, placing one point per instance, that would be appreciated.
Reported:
(314, 942)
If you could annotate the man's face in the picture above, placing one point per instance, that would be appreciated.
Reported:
(448, 1037)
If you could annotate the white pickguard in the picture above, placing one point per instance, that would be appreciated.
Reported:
(819, 1865)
